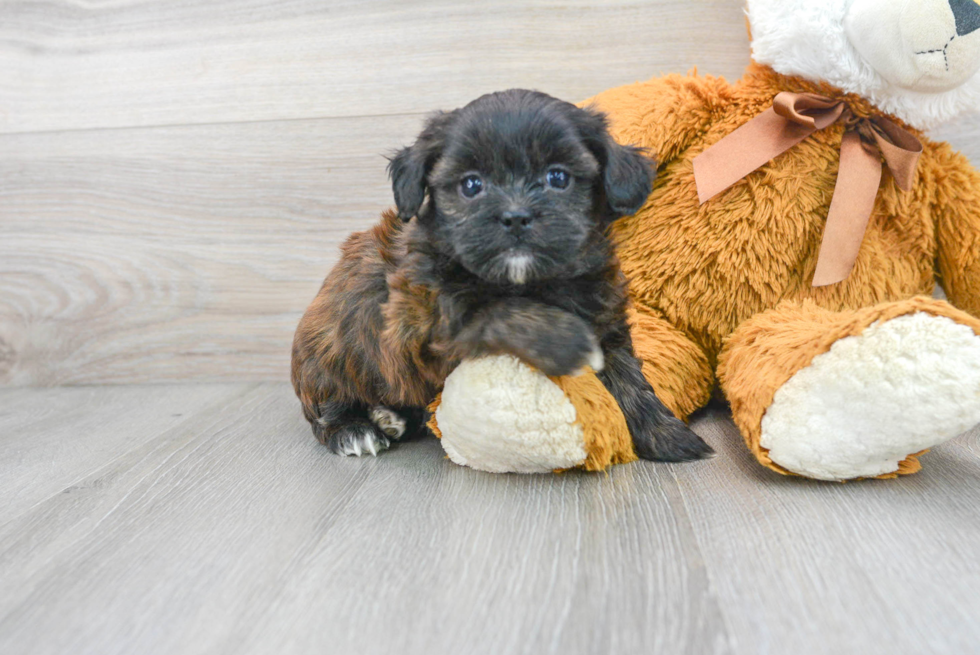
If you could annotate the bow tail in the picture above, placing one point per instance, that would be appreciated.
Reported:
(850, 209)
(745, 150)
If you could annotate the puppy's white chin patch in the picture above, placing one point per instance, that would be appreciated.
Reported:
(519, 267)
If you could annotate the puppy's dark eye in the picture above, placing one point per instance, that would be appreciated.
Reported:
(471, 186)
(558, 178)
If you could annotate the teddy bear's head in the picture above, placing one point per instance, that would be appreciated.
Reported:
(916, 59)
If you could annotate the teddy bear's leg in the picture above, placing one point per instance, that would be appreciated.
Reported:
(853, 394)
(677, 369)
(500, 415)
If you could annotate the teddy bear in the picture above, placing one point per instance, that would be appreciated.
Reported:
(787, 255)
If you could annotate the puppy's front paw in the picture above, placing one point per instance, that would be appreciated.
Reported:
(596, 361)
(568, 352)
(389, 421)
(358, 439)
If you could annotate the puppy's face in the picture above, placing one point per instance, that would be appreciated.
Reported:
(518, 184)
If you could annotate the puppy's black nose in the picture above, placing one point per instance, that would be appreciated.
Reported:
(516, 221)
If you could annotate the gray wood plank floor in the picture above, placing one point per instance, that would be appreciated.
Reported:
(205, 519)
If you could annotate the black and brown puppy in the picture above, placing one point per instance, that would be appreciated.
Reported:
(498, 246)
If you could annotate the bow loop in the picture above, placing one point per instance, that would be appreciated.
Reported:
(791, 119)
(809, 109)
(900, 149)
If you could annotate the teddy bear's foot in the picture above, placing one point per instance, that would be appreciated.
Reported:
(497, 414)
(876, 386)
(500, 415)
(901, 387)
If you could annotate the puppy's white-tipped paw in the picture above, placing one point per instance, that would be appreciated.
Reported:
(359, 441)
(596, 360)
(389, 421)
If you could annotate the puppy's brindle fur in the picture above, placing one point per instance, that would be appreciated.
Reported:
(522, 267)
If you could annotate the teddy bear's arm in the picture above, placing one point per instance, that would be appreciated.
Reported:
(957, 212)
(664, 114)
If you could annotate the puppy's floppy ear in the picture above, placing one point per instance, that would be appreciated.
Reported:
(410, 166)
(627, 173)
(628, 178)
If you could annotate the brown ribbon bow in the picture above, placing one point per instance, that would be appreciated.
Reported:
(792, 118)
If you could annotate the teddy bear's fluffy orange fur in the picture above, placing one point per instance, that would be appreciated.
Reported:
(722, 291)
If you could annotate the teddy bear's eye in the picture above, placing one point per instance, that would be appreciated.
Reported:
(471, 186)
(558, 178)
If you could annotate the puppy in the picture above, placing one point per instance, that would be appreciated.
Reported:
(498, 246)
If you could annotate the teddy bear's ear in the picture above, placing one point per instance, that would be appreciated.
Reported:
(410, 166)
(627, 173)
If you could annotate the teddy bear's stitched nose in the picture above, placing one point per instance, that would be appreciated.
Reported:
(932, 63)
(967, 13)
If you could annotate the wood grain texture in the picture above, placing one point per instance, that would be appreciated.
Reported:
(233, 531)
(864, 567)
(177, 253)
(128, 63)
(52, 438)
